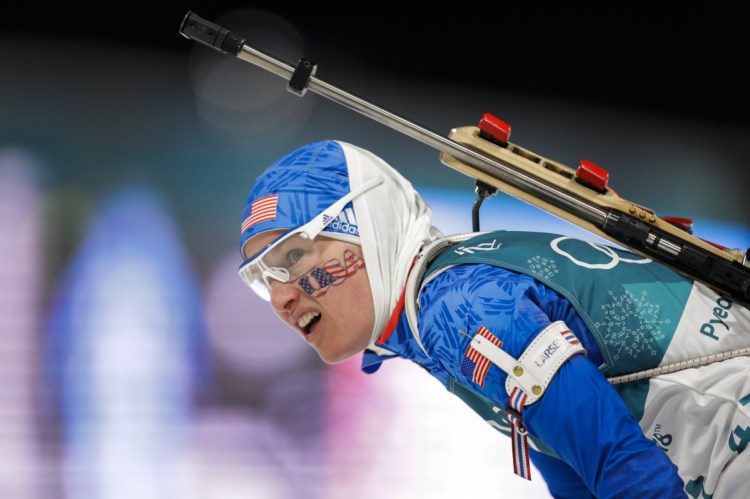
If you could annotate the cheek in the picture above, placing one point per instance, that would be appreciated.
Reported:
(336, 272)
(361, 308)
(351, 300)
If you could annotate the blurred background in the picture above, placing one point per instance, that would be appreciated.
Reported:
(133, 362)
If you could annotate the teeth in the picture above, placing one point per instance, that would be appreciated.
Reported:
(305, 319)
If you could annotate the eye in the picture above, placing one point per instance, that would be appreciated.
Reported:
(294, 255)
(298, 256)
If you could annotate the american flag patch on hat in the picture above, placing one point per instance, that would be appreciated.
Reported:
(261, 210)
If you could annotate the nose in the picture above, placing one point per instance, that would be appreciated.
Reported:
(283, 295)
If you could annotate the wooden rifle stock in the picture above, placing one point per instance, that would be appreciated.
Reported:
(551, 186)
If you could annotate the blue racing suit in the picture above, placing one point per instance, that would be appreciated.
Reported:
(584, 439)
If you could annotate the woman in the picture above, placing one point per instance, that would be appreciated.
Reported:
(524, 327)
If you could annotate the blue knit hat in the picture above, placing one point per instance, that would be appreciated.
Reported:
(296, 188)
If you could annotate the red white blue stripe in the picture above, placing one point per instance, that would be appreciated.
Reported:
(521, 461)
(517, 399)
(570, 337)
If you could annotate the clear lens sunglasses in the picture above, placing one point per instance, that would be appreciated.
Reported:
(296, 252)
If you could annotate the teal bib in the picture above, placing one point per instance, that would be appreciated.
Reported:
(631, 304)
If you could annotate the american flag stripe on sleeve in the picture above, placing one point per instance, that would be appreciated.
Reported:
(262, 210)
(570, 337)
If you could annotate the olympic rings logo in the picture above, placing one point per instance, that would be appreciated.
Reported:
(614, 257)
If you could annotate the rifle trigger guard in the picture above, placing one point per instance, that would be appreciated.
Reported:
(301, 77)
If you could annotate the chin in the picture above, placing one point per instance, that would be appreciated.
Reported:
(335, 358)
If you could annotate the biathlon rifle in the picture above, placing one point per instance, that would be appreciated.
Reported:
(483, 152)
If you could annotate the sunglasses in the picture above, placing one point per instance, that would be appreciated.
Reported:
(294, 253)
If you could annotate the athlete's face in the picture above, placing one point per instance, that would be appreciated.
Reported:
(331, 305)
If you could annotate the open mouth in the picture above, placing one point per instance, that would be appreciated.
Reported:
(307, 321)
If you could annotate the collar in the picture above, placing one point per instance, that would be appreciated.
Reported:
(395, 316)
(376, 354)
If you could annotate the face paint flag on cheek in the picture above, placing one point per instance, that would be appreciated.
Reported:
(353, 264)
(331, 274)
(322, 278)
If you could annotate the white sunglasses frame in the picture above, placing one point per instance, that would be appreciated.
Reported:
(310, 231)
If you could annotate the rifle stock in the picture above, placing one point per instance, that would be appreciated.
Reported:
(544, 183)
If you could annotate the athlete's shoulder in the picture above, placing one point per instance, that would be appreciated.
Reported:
(472, 281)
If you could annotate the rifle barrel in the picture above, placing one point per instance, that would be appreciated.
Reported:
(691, 257)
